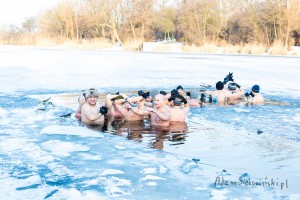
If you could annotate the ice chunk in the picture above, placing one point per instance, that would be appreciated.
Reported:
(70, 130)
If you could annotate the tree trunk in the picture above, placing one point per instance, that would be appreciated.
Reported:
(133, 32)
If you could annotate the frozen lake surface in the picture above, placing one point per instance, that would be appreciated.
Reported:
(44, 156)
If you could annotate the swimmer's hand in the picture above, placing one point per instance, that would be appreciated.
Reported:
(228, 78)
(103, 110)
(249, 94)
(128, 106)
(182, 99)
(146, 95)
(172, 98)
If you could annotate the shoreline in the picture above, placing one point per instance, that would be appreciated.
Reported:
(157, 47)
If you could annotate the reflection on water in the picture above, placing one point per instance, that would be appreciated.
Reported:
(143, 132)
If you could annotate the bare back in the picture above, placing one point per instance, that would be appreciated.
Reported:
(178, 114)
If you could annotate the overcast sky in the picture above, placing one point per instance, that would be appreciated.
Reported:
(15, 11)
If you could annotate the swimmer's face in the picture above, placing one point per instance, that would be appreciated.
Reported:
(149, 99)
(159, 101)
(180, 91)
(92, 100)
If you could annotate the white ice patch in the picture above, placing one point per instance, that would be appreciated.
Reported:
(87, 156)
(151, 177)
(63, 148)
(152, 183)
(3, 112)
(12, 144)
(72, 193)
(219, 194)
(114, 185)
(149, 171)
(111, 171)
(70, 130)
(116, 162)
(241, 110)
(120, 147)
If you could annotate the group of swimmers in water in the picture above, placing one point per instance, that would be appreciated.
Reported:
(161, 107)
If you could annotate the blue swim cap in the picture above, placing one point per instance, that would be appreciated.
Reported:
(255, 88)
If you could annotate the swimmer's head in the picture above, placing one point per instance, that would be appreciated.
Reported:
(91, 93)
(177, 101)
(163, 92)
(231, 86)
(180, 89)
(174, 92)
(153, 93)
(159, 100)
(194, 94)
(256, 88)
(220, 85)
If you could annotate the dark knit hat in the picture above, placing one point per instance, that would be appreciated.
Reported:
(255, 88)
(220, 85)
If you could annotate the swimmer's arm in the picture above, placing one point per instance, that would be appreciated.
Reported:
(165, 116)
(149, 104)
(187, 105)
(137, 111)
(167, 96)
(119, 106)
(108, 102)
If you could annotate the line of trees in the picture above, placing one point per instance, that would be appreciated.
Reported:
(191, 21)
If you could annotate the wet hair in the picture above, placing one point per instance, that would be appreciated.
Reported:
(220, 85)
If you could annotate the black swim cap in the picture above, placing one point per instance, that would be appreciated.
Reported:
(220, 85)
(179, 87)
(163, 92)
(174, 92)
(141, 92)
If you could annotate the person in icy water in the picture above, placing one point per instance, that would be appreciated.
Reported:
(221, 95)
(193, 99)
(178, 112)
(254, 96)
(81, 101)
(234, 88)
(92, 112)
(159, 114)
(110, 104)
(124, 107)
